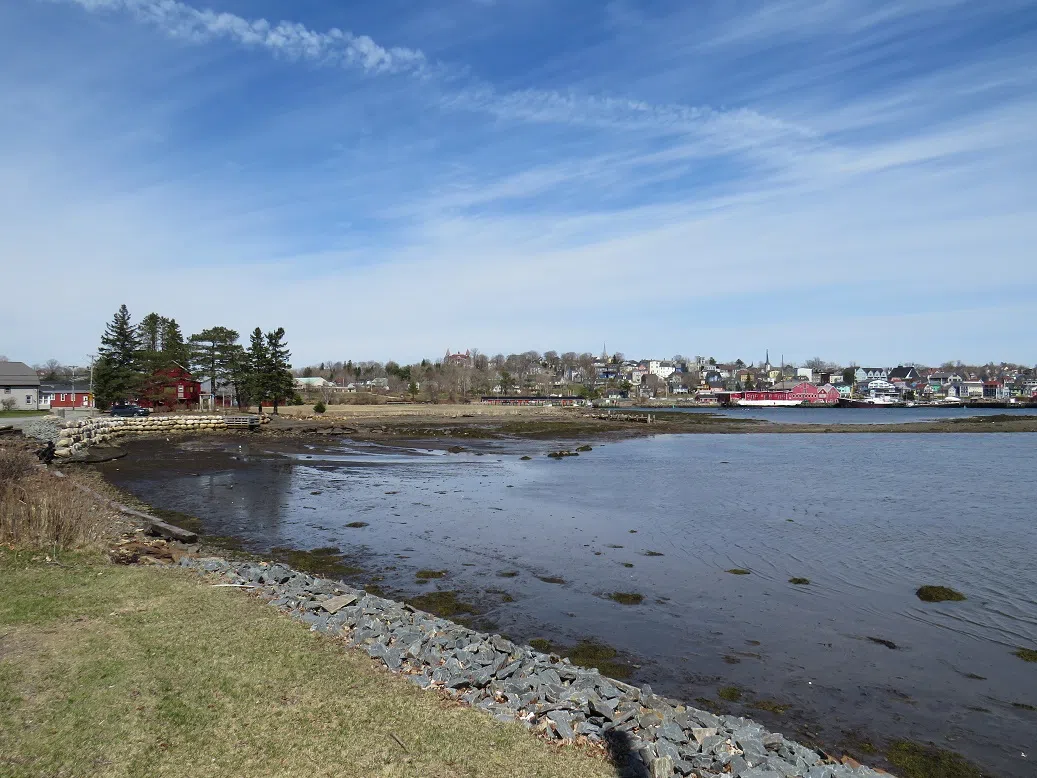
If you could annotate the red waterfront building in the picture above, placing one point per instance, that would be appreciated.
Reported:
(170, 388)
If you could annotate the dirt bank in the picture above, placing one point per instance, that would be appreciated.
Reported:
(420, 422)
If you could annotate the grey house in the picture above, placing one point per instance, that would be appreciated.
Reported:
(19, 387)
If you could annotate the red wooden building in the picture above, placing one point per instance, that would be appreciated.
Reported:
(815, 395)
(172, 387)
(58, 396)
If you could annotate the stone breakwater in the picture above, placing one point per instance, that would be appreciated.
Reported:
(75, 436)
(648, 734)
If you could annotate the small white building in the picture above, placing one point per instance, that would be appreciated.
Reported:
(313, 382)
(662, 368)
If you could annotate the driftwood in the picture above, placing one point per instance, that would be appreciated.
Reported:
(153, 524)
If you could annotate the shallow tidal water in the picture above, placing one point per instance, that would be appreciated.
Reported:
(867, 519)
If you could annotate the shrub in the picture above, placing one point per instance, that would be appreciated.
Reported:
(319, 407)
(39, 511)
(7, 404)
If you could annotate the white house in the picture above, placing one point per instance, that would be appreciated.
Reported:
(662, 368)
(19, 387)
(863, 374)
(313, 382)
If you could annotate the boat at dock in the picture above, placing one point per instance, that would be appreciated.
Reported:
(872, 402)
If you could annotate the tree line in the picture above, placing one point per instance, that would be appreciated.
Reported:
(145, 362)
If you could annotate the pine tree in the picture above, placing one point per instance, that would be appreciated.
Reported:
(175, 351)
(258, 367)
(211, 353)
(117, 370)
(278, 380)
(150, 332)
(241, 375)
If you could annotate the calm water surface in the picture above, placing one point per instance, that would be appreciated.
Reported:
(830, 416)
(868, 519)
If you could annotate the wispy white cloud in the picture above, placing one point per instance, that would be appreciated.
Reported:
(284, 38)
(336, 47)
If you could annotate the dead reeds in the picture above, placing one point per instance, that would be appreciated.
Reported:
(40, 511)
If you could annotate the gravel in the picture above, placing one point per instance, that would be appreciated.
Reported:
(648, 735)
(43, 428)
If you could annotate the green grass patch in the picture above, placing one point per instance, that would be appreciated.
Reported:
(357, 524)
(117, 671)
(591, 653)
(628, 564)
(22, 414)
(327, 561)
(939, 594)
(428, 575)
(588, 653)
(738, 571)
(551, 579)
(177, 518)
(653, 553)
(627, 598)
(507, 574)
(1026, 654)
(770, 706)
(917, 761)
(729, 693)
(445, 604)
(799, 581)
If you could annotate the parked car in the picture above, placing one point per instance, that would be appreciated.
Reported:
(129, 410)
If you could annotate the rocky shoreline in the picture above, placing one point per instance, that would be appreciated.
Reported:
(646, 734)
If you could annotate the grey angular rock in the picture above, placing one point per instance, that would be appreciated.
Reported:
(664, 747)
(662, 767)
(335, 604)
(758, 772)
(562, 724)
(671, 731)
(604, 708)
(701, 733)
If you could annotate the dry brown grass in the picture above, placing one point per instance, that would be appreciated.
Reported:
(43, 512)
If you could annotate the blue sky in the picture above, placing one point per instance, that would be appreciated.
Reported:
(841, 178)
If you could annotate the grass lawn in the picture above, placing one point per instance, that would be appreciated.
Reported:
(119, 671)
(19, 414)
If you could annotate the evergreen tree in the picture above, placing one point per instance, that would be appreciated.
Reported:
(277, 379)
(175, 351)
(211, 352)
(241, 375)
(150, 332)
(258, 367)
(149, 337)
(117, 370)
